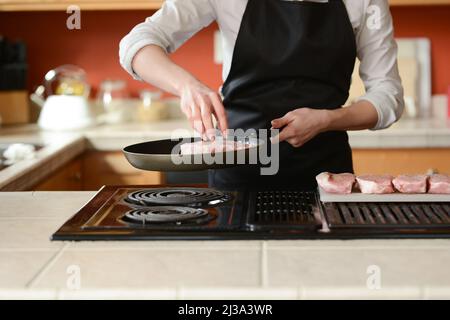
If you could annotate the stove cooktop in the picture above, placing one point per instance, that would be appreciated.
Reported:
(192, 213)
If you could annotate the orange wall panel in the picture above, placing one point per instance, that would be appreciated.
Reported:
(432, 22)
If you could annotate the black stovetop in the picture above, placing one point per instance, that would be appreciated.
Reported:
(187, 213)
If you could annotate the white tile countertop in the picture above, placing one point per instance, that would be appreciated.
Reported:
(61, 147)
(33, 267)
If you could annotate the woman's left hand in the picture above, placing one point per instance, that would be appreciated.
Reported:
(301, 125)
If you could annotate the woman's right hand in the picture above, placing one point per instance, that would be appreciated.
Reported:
(200, 104)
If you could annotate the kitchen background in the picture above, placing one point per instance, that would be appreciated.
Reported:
(95, 46)
(96, 160)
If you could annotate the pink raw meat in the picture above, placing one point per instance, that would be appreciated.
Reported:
(212, 146)
(197, 147)
(375, 184)
(411, 183)
(439, 184)
(336, 182)
(227, 145)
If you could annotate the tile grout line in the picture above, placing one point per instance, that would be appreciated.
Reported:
(46, 267)
(264, 266)
(342, 248)
(29, 249)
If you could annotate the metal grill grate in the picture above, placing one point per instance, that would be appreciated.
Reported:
(404, 215)
(283, 208)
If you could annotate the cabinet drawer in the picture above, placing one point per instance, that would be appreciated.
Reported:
(111, 168)
(68, 178)
(398, 161)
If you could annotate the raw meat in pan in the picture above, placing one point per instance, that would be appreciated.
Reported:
(228, 145)
(411, 183)
(215, 146)
(336, 182)
(439, 184)
(196, 147)
(375, 184)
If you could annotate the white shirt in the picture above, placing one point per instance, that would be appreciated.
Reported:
(179, 20)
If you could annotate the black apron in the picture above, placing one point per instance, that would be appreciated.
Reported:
(288, 55)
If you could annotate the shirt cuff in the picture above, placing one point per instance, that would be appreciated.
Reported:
(388, 109)
(127, 58)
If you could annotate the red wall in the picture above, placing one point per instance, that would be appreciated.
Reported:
(434, 23)
(95, 46)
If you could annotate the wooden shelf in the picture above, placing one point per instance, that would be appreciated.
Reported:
(61, 5)
(418, 2)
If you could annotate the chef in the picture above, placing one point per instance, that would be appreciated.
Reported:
(287, 66)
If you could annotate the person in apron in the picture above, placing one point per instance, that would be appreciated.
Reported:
(273, 74)
(289, 56)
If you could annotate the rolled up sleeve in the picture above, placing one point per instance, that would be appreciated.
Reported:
(168, 28)
(377, 51)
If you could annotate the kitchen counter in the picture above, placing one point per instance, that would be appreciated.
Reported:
(61, 147)
(33, 267)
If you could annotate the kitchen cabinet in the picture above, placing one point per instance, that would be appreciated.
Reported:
(398, 161)
(112, 168)
(61, 5)
(38, 5)
(418, 2)
(67, 178)
(95, 169)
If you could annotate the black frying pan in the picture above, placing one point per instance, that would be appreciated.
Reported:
(158, 156)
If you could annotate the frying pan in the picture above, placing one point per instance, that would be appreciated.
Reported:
(159, 156)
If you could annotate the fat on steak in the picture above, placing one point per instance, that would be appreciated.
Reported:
(406, 183)
(375, 184)
(439, 184)
(341, 183)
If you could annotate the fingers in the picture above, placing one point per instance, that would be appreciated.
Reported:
(196, 121)
(219, 111)
(295, 142)
(193, 114)
(281, 122)
(200, 104)
(206, 116)
(285, 134)
(289, 135)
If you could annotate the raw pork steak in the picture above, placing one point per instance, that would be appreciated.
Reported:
(196, 147)
(215, 146)
(336, 182)
(411, 183)
(375, 184)
(439, 184)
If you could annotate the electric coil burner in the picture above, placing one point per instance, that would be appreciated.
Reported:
(155, 215)
(184, 213)
(172, 206)
(193, 197)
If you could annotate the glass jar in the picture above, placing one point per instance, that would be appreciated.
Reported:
(150, 107)
(113, 98)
